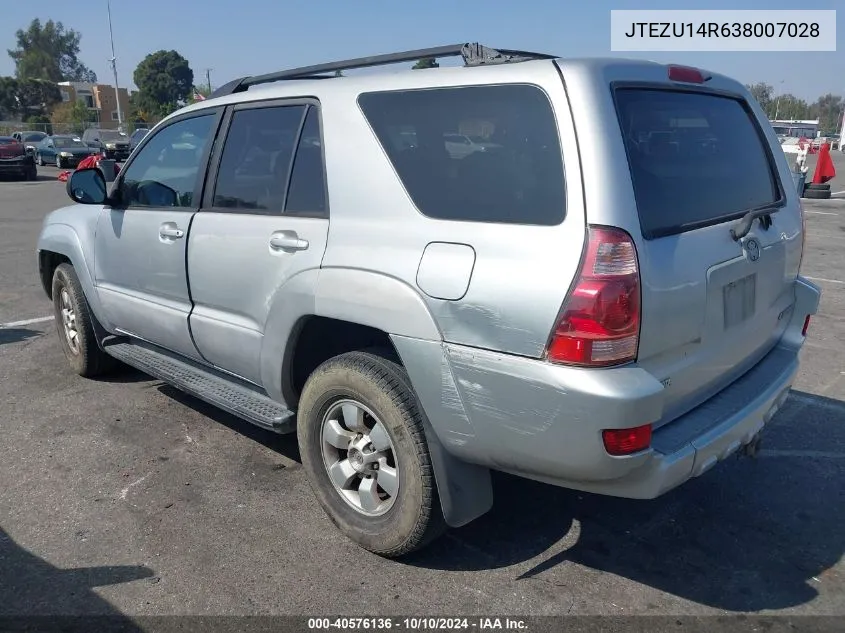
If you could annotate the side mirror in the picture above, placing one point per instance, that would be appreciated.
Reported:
(87, 186)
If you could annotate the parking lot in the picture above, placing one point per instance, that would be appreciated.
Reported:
(124, 496)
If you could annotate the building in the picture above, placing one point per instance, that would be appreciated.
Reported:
(97, 97)
(785, 128)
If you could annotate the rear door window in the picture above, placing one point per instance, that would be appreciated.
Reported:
(696, 159)
(512, 170)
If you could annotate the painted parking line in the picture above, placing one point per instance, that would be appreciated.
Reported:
(25, 322)
(821, 212)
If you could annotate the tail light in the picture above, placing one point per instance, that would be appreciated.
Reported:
(686, 74)
(599, 324)
(627, 441)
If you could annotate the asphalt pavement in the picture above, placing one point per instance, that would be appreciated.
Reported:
(123, 496)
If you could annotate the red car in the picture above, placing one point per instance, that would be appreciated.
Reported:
(15, 160)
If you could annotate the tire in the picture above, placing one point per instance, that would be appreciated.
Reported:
(40, 160)
(59, 162)
(32, 173)
(818, 186)
(84, 355)
(817, 194)
(413, 518)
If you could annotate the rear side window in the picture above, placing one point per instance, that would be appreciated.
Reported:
(477, 153)
(256, 158)
(696, 159)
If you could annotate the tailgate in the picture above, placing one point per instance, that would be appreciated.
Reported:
(711, 306)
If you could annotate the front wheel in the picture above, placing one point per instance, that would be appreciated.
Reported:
(75, 325)
(40, 160)
(59, 162)
(362, 444)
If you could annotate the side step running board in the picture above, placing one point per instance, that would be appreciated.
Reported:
(207, 385)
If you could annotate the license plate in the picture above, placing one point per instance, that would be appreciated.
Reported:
(739, 300)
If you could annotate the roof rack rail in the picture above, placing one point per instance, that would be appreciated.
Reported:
(473, 55)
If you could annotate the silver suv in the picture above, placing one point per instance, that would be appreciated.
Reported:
(606, 298)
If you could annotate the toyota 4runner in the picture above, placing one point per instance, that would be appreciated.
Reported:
(602, 292)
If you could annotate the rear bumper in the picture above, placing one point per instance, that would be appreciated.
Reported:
(544, 422)
(120, 154)
(16, 166)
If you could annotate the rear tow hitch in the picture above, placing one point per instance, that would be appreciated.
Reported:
(752, 448)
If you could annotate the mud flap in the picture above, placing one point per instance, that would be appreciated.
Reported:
(465, 490)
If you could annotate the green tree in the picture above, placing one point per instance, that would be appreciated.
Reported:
(164, 81)
(828, 110)
(40, 122)
(426, 62)
(789, 106)
(37, 97)
(763, 93)
(8, 98)
(49, 52)
(72, 117)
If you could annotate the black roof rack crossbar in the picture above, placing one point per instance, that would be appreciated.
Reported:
(473, 55)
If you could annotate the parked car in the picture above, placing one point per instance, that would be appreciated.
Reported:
(614, 317)
(112, 143)
(62, 151)
(30, 139)
(15, 160)
(136, 137)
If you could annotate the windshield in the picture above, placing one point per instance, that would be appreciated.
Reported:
(37, 136)
(68, 143)
(112, 135)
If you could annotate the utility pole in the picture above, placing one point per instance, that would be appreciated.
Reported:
(113, 61)
(208, 78)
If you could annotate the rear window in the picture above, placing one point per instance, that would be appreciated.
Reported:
(696, 159)
(478, 153)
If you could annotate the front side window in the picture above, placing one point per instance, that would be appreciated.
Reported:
(165, 171)
(512, 171)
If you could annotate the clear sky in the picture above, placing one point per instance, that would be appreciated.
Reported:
(245, 37)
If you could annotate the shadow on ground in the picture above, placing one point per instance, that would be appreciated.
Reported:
(16, 335)
(749, 535)
(30, 586)
(283, 444)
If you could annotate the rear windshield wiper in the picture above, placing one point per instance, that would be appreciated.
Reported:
(747, 221)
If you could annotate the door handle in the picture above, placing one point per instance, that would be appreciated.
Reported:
(287, 241)
(170, 231)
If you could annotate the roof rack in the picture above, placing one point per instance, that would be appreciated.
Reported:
(473, 55)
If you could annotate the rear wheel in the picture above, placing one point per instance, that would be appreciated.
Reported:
(75, 325)
(362, 443)
(59, 162)
(40, 160)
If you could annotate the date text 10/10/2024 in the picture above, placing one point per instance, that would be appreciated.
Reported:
(416, 624)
